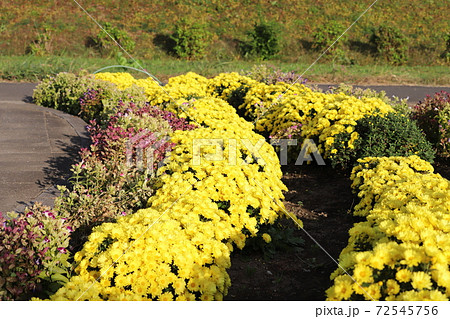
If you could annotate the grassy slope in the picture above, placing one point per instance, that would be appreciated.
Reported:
(424, 22)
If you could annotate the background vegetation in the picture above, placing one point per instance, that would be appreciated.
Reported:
(405, 32)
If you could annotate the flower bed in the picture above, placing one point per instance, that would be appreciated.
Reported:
(197, 215)
(169, 235)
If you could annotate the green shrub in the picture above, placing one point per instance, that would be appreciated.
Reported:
(83, 95)
(190, 39)
(391, 135)
(391, 44)
(433, 117)
(264, 42)
(326, 35)
(107, 46)
(63, 91)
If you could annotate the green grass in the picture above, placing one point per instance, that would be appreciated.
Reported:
(33, 69)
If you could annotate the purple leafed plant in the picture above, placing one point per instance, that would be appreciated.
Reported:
(32, 246)
(433, 117)
(109, 182)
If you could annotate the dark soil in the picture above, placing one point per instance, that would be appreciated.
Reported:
(323, 200)
(442, 166)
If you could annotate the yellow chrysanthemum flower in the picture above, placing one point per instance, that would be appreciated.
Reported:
(266, 237)
(421, 280)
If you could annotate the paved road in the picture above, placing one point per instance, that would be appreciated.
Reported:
(413, 93)
(37, 145)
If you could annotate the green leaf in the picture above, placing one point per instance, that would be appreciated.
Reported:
(58, 270)
(59, 277)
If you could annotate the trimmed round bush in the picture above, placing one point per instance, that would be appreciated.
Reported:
(377, 135)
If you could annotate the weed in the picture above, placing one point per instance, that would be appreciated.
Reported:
(42, 46)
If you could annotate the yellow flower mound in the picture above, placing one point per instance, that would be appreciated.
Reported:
(183, 86)
(186, 85)
(223, 168)
(402, 251)
(121, 79)
(262, 97)
(278, 107)
(149, 85)
(152, 255)
(125, 80)
(210, 112)
(223, 84)
(291, 109)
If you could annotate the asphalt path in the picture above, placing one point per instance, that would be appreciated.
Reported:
(38, 145)
(414, 94)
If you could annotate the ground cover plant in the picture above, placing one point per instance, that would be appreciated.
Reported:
(170, 231)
